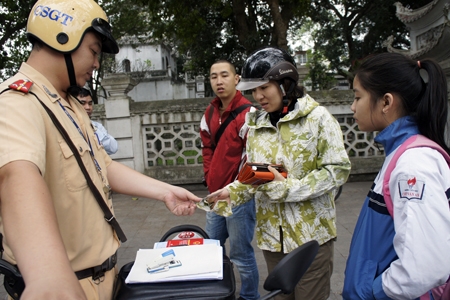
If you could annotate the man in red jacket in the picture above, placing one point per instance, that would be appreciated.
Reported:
(223, 139)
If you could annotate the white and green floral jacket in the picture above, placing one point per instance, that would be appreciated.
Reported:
(308, 143)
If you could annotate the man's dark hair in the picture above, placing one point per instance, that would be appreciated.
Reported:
(80, 92)
(232, 67)
(84, 93)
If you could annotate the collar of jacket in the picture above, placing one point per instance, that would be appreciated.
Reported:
(396, 133)
(216, 102)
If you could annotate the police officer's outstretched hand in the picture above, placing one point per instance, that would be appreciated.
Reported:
(180, 201)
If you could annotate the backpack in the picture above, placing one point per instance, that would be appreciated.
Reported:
(218, 134)
(231, 117)
(441, 292)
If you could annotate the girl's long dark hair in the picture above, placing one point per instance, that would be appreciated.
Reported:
(422, 92)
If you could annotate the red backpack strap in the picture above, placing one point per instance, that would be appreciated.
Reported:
(412, 142)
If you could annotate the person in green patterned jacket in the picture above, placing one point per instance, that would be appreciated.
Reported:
(291, 129)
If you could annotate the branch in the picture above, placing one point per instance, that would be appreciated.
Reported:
(357, 15)
(12, 31)
(281, 22)
(328, 5)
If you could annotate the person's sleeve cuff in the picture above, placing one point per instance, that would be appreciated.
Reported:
(377, 287)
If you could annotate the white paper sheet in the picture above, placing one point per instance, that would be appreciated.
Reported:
(202, 262)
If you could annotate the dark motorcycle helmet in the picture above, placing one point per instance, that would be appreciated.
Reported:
(266, 64)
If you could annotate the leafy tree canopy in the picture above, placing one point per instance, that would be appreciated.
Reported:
(202, 31)
(14, 47)
(347, 31)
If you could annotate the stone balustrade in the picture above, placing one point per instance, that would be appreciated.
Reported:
(161, 138)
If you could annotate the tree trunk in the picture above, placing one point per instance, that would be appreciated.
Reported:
(281, 18)
(246, 28)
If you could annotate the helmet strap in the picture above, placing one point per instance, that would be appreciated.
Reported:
(73, 88)
(285, 105)
(285, 100)
(292, 86)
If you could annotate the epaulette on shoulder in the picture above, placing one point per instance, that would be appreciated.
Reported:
(21, 85)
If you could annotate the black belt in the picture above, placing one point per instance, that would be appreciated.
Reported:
(98, 271)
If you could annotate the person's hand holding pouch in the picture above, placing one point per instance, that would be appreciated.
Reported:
(278, 176)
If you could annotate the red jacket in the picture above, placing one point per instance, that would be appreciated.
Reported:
(221, 165)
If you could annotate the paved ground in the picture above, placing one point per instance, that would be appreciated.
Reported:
(145, 221)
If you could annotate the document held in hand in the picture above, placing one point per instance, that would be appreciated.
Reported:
(258, 173)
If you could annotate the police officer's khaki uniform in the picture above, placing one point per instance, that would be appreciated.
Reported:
(27, 133)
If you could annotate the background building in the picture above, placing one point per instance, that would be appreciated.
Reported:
(429, 32)
(153, 66)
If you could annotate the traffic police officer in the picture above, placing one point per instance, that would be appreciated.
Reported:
(53, 227)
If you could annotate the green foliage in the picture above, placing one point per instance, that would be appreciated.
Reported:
(318, 74)
(195, 32)
(14, 47)
(203, 31)
(127, 18)
(348, 31)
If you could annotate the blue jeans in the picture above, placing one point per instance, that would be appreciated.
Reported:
(240, 229)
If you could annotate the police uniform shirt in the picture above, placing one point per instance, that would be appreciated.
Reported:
(27, 133)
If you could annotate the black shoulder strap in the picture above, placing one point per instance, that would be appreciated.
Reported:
(231, 117)
(109, 217)
(1, 246)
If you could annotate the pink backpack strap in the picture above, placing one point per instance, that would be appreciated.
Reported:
(412, 142)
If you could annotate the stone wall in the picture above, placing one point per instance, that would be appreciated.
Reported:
(161, 138)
